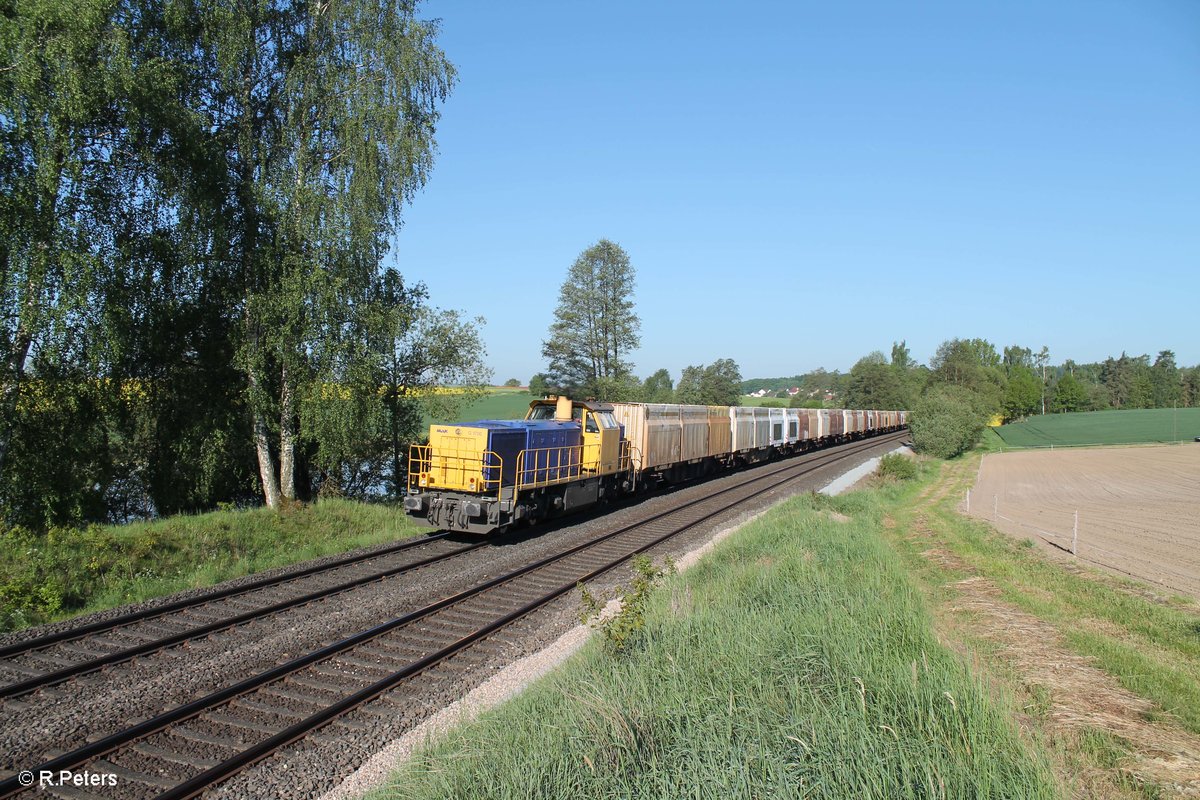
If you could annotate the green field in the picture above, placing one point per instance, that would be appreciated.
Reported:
(1139, 426)
(500, 404)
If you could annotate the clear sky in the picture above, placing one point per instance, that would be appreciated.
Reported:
(800, 183)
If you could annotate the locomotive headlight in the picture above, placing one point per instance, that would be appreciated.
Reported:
(423, 481)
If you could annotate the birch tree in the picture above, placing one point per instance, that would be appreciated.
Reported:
(331, 113)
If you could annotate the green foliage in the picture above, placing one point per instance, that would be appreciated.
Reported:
(512, 383)
(191, 230)
(595, 328)
(1069, 395)
(946, 421)
(714, 385)
(623, 630)
(539, 385)
(974, 365)
(874, 383)
(659, 388)
(1023, 394)
(897, 466)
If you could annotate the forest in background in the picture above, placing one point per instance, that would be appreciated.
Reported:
(1012, 379)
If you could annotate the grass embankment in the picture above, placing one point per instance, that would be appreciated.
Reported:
(46, 577)
(1135, 426)
(797, 660)
(1108, 672)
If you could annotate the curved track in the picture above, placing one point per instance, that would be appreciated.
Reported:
(188, 749)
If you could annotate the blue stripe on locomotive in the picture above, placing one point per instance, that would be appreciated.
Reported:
(507, 438)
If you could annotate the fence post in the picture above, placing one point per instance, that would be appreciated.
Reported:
(1075, 534)
(995, 508)
(968, 501)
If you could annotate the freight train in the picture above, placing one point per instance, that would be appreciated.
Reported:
(485, 476)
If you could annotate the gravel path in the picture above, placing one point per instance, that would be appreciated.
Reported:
(48, 722)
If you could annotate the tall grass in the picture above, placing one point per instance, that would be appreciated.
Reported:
(45, 577)
(797, 660)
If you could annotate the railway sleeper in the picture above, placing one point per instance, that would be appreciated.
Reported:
(283, 712)
(393, 651)
(191, 734)
(22, 669)
(287, 692)
(127, 775)
(165, 754)
(344, 672)
(241, 723)
(374, 665)
(177, 769)
(310, 682)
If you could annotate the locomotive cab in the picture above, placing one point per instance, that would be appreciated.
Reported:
(601, 431)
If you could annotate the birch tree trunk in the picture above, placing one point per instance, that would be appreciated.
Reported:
(262, 449)
(287, 438)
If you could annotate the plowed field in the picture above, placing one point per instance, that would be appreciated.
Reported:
(1138, 507)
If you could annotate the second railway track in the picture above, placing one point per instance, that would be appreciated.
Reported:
(189, 748)
(33, 664)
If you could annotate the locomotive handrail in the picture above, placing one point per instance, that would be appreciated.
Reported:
(471, 466)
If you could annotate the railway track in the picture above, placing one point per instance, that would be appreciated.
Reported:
(44, 661)
(191, 748)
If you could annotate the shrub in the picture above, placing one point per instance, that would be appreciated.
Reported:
(897, 467)
(623, 630)
(946, 422)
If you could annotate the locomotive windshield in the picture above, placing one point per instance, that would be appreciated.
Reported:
(542, 412)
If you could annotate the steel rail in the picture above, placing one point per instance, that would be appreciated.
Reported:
(91, 665)
(255, 753)
(28, 645)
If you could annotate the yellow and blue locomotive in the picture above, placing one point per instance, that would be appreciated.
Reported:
(484, 476)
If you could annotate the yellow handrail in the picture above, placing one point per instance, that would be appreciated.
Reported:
(430, 470)
(544, 466)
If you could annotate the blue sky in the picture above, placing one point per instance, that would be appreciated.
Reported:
(799, 183)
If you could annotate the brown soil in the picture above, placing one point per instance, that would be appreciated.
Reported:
(1078, 696)
(1139, 507)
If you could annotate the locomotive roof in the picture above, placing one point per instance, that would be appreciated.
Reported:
(590, 405)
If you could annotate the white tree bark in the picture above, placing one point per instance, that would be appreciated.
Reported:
(287, 440)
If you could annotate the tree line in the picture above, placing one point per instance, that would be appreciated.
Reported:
(196, 200)
(969, 381)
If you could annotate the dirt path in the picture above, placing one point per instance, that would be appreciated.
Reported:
(1138, 507)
